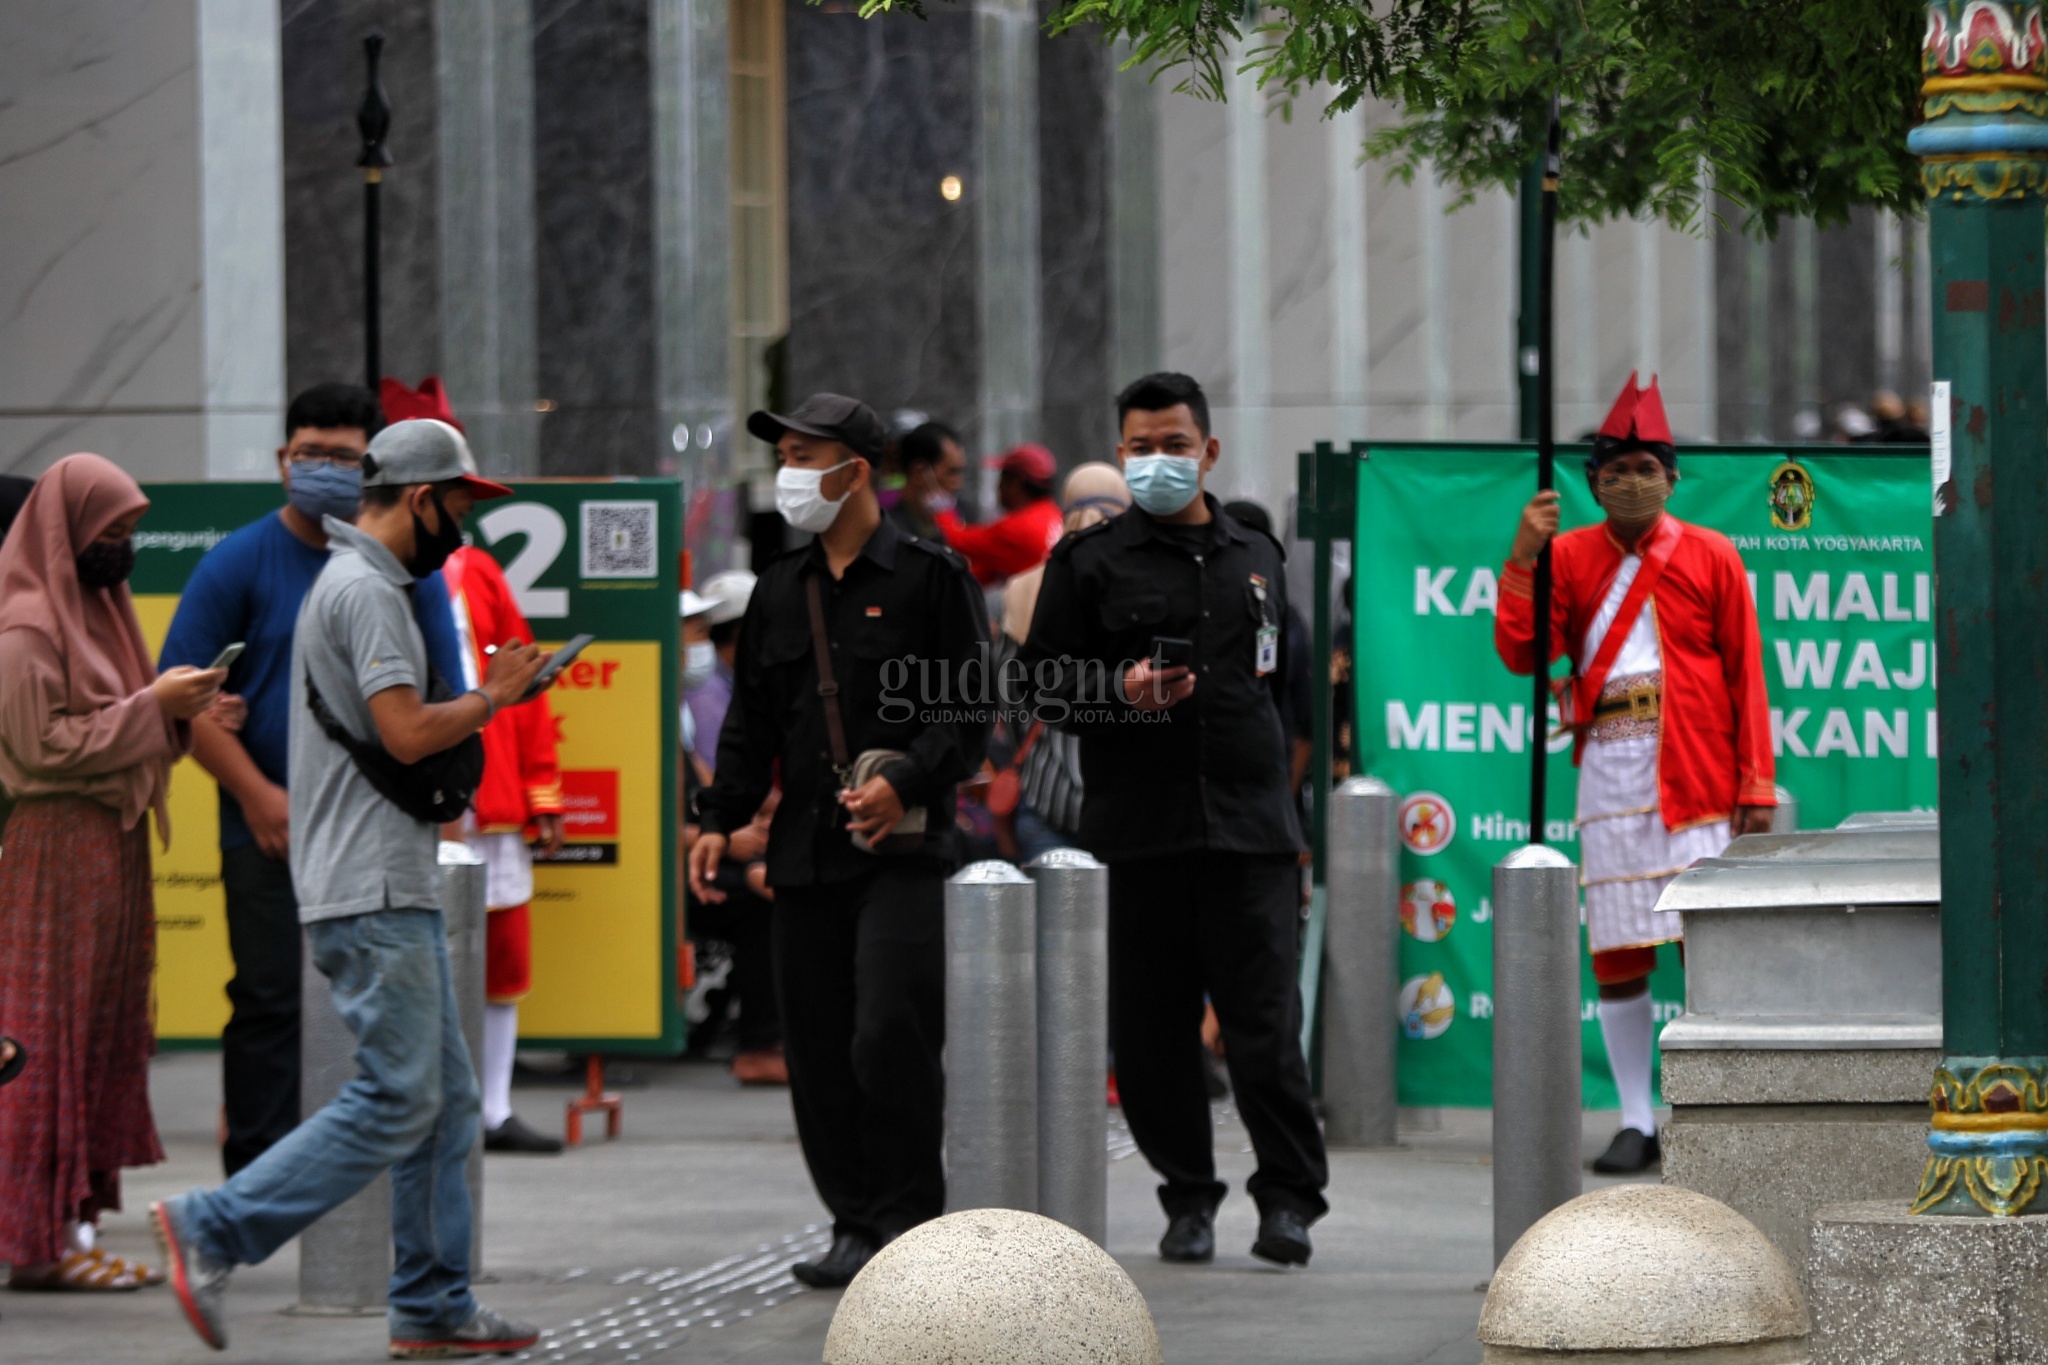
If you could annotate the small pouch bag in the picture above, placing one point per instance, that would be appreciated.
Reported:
(907, 835)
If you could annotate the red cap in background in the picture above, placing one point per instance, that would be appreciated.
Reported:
(1030, 462)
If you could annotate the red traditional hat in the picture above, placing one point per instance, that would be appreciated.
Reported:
(1637, 415)
(402, 404)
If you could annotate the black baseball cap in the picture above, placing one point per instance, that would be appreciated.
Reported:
(832, 416)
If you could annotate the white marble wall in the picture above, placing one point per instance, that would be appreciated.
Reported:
(1315, 299)
(488, 310)
(141, 292)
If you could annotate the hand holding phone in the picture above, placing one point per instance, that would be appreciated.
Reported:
(1163, 679)
(561, 659)
(1170, 651)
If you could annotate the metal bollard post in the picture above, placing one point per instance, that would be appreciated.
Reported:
(1360, 965)
(345, 1258)
(1536, 1051)
(464, 914)
(991, 1039)
(1785, 819)
(1073, 1040)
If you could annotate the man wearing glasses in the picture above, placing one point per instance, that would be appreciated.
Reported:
(248, 588)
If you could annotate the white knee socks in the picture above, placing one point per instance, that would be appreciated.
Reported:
(501, 1037)
(1628, 1028)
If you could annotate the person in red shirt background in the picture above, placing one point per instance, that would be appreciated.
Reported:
(521, 791)
(1029, 528)
(1667, 704)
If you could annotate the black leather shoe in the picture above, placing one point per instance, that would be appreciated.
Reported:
(837, 1267)
(514, 1136)
(1631, 1153)
(1283, 1238)
(1190, 1239)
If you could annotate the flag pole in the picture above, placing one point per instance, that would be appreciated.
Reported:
(1546, 469)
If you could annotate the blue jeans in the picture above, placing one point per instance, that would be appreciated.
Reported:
(411, 1109)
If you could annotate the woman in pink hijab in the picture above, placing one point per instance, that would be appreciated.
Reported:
(88, 733)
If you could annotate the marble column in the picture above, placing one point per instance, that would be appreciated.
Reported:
(1243, 428)
(692, 232)
(594, 201)
(1077, 156)
(322, 43)
(1134, 223)
(884, 269)
(1007, 201)
(140, 198)
(485, 66)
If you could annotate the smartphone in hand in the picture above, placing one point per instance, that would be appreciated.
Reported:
(563, 657)
(1170, 651)
(227, 656)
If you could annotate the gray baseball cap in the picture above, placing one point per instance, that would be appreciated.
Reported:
(424, 450)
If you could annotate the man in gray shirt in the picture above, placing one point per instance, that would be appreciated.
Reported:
(368, 888)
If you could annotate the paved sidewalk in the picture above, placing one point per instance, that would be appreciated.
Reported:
(672, 1243)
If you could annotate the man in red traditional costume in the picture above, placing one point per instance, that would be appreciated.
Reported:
(521, 792)
(1666, 701)
(521, 795)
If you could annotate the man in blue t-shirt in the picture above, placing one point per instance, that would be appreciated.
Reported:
(248, 588)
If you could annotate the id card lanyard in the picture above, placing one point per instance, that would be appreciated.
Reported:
(1267, 652)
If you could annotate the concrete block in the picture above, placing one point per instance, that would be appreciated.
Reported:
(1644, 1273)
(1776, 1076)
(1893, 1289)
(992, 1287)
(1777, 1164)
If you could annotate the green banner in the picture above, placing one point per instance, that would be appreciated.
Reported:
(1839, 552)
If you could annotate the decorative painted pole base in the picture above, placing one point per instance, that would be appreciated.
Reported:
(1983, 150)
(1988, 1150)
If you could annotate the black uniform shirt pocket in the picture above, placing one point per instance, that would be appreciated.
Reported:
(1131, 611)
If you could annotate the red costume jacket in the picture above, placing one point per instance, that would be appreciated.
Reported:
(1714, 741)
(1006, 546)
(521, 779)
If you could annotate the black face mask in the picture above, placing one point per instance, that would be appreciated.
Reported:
(430, 549)
(107, 563)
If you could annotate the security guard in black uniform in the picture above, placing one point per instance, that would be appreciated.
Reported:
(1159, 632)
(864, 837)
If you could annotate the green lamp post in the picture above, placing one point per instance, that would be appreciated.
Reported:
(1983, 152)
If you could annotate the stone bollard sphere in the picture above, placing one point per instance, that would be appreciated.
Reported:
(1649, 1273)
(992, 1287)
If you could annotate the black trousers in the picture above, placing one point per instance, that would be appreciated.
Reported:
(861, 969)
(1225, 925)
(259, 1048)
(745, 923)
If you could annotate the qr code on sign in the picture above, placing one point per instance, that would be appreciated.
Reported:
(618, 540)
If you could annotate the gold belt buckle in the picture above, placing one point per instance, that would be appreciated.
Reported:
(1642, 703)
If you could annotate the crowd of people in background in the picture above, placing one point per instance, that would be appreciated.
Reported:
(331, 661)
(352, 624)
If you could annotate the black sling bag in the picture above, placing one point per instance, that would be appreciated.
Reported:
(437, 789)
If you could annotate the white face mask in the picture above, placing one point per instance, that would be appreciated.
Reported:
(698, 661)
(801, 504)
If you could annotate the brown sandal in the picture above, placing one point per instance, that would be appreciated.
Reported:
(145, 1275)
(80, 1272)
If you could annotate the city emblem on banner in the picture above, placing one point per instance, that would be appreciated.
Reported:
(1791, 497)
(1428, 910)
(1427, 824)
(1427, 1006)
